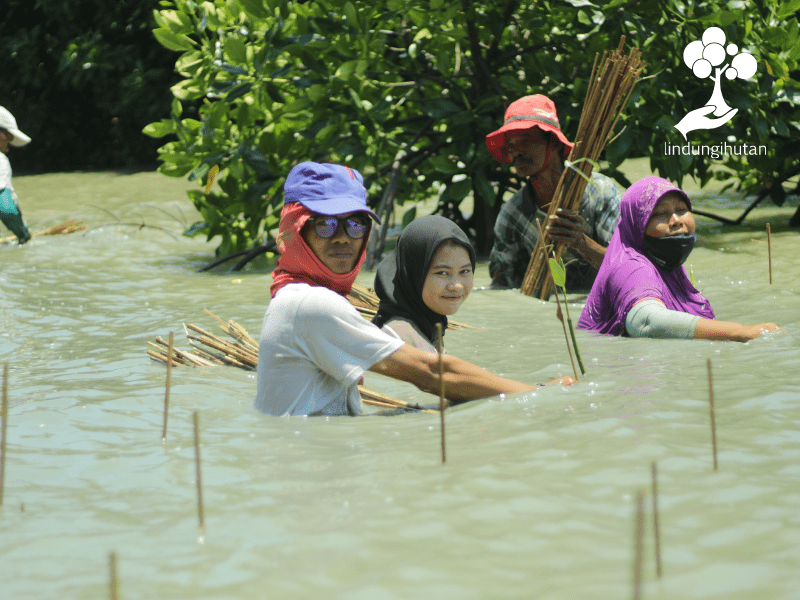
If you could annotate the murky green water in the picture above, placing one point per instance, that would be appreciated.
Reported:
(536, 500)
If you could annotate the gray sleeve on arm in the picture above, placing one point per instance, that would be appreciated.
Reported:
(650, 318)
(408, 332)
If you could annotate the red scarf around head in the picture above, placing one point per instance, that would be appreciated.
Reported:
(298, 263)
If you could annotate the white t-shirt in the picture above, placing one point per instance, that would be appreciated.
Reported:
(5, 176)
(314, 348)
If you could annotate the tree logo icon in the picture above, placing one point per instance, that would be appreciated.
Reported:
(706, 58)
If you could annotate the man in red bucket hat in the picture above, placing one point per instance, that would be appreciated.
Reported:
(531, 139)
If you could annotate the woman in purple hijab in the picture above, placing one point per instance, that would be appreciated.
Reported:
(641, 289)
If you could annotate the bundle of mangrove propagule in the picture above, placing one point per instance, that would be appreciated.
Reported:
(612, 81)
(66, 227)
(208, 350)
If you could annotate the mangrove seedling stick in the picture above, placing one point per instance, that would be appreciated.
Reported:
(166, 393)
(3, 434)
(572, 335)
(638, 545)
(711, 405)
(112, 560)
(566, 339)
(655, 522)
(197, 465)
(558, 302)
(441, 385)
(769, 252)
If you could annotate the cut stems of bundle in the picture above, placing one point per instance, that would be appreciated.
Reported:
(769, 252)
(166, 393)
(3, 432)
(374, 398)
(243, 353)
(442, 405)
(711, 408)
(655, 522)
(196, 417)
(610, 86)
(64, 228)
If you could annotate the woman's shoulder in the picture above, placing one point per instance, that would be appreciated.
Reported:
(407, 330)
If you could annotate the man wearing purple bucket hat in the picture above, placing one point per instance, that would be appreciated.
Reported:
(9, 208)
(314, 345)
(531, 139)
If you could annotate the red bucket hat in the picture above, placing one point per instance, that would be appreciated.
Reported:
(528, 111)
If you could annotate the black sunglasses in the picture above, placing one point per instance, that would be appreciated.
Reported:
(355, 227)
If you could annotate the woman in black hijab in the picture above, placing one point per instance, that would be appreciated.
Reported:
(426, 277)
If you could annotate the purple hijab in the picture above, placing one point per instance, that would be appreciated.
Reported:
(627, 276)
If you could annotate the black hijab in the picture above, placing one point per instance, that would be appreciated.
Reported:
(401, 275)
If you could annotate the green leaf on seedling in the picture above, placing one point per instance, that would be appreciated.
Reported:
(558, 271)
(691, 276)
(571, 165)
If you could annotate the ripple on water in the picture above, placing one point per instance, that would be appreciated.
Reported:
(536, 498)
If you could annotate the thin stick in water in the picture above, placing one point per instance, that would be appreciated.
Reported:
(112, 560)
(166, 393)
(711, 405)
(638, 546)
(197, 464)
(769, 252)
(563, 324)
(441, 385)
(655, 522)
(3, 434)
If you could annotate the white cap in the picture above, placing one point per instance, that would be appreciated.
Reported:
(9, 123)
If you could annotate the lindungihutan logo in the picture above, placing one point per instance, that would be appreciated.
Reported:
(707, 58)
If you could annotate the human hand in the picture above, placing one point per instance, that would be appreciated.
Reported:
(565, 381)
(754, 331)
(566, 227)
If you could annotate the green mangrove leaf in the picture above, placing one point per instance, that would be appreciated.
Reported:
(160, 129)
(235, 49)
(558, 271)
(173, 41)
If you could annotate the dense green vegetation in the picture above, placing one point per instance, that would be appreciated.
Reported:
(258, 85)
(423, 81)
(83, 77)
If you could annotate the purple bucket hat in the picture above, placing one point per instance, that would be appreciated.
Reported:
(327, 189)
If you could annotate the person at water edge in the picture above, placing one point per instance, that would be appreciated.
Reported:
(9, 206)
(425, 278)
(314, 345)
(642, 289)
(532, 141)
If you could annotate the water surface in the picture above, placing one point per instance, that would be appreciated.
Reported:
(536, 500)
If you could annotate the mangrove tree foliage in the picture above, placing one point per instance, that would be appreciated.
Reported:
(419, 83)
